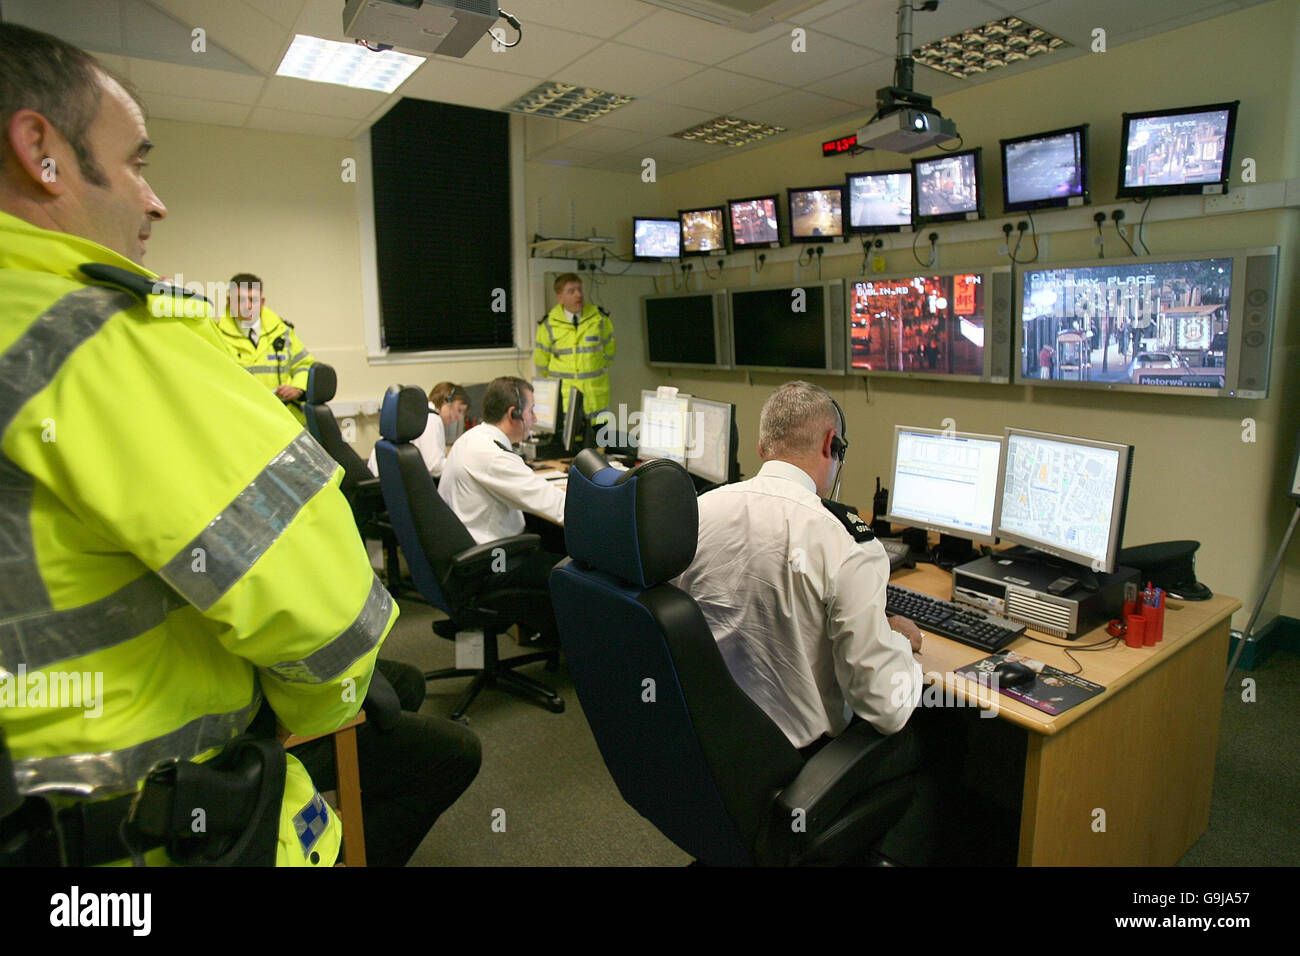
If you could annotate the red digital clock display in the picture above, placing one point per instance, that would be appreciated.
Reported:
(834, 147)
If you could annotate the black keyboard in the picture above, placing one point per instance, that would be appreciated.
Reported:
(958, 622)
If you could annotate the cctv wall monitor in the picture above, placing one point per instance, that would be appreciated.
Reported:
(704, 231)
(816, 213)
(948, 187)
(656, 240)
(1177, 151)
(754, 223)
(879, 201)
(1045, 170)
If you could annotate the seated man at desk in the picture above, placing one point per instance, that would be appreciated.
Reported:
(797, 605)
(485, 483)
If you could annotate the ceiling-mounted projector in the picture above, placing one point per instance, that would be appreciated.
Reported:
(907, 130)
(446, 27)
(905, 121)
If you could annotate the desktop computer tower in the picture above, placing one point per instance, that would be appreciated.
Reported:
(1016, 588)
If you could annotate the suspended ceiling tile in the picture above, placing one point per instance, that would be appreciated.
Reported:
(720, 91)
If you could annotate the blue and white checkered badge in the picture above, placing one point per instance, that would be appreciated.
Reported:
(310, 822)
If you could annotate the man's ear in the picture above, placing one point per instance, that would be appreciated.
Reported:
(827, 441)
(38, 150)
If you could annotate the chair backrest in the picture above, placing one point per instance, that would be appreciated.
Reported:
(322, 426)
(687, 747)
(427, 530)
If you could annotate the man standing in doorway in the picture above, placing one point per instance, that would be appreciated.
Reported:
(575, 343)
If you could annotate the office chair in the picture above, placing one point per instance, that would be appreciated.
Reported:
(688, 749)
(359, 486)
(464, 580)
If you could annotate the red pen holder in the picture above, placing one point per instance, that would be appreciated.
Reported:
(1131, 608)
(1135, 636)
(1155, 625)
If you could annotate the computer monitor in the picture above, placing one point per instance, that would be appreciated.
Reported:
(704, 231)
(664, 427)
(687, 330)
(948, 187)
(1045, 170)
(946, 481)
(1188, 324)
(1065, 496)
(1176, 152)
(575, 421)
(789, 328)
(816, 213)
(951, 326)
(754, 223)
(546, 404)
(712, 442)
(880, 201)
(656, 240)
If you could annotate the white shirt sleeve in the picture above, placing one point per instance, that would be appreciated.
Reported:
(505, 476)
(873, 663)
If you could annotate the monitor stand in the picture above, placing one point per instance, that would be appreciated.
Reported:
(953, 550)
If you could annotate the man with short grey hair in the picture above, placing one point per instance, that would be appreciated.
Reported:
(795, 603)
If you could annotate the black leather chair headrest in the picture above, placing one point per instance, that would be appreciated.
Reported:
(322, 383)
(404, 414)
(640, 525)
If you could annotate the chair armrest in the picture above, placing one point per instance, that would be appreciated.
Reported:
(837, 773)
(479, 561)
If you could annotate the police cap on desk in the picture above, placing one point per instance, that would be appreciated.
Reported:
(1170, 565)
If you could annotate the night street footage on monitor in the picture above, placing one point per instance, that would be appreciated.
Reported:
(925, 324)
(947, 187)
(656, 238)
(703, 231)
(754, 222)
(816, 213)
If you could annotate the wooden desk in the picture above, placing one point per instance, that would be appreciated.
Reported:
(1142, 752)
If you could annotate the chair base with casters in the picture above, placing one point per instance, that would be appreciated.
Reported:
(498, 673)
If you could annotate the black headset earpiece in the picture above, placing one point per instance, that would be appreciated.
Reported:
(518, 411)
(839, 443)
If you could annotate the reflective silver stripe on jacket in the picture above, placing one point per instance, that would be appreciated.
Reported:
(237, 537)
(295, 359)
(361, 637)
(46, 638)
(112, 772)
(261, 369)
(579, 375)
(589, 348)
(27, 367)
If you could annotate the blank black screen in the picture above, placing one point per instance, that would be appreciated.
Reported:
(680, 330)
(769, 332)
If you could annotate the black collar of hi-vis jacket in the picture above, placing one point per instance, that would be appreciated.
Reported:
(852, 521)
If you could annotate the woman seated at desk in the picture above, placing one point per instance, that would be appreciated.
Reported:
(447, 406)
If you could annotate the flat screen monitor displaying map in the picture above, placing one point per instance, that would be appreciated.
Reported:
(546, 404)
(710, 451)
(665, 426)
(1065, 496)
(946, 482)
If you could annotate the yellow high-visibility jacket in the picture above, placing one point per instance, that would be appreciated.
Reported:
(578, 357)
(167, 534)
(287, 365)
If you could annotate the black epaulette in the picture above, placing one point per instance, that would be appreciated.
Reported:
(543, 318)
(852, 521)
(141, 286)
(603, 311)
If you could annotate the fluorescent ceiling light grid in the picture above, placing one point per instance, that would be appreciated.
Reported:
(728, 131)
(988, 47)
(346, 64)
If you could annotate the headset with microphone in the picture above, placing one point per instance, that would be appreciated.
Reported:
(839, 448)
(517, 413)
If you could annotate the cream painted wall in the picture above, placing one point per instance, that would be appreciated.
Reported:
(1194, 477)
(237, 204)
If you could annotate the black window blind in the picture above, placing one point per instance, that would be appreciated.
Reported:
(442, 226)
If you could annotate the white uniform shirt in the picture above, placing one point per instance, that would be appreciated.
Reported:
(432, 443)
(798, 608)
(489, 486)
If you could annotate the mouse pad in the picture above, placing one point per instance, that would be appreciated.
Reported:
(1053, 691)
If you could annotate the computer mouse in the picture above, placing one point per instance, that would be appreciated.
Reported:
(1014, 674)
